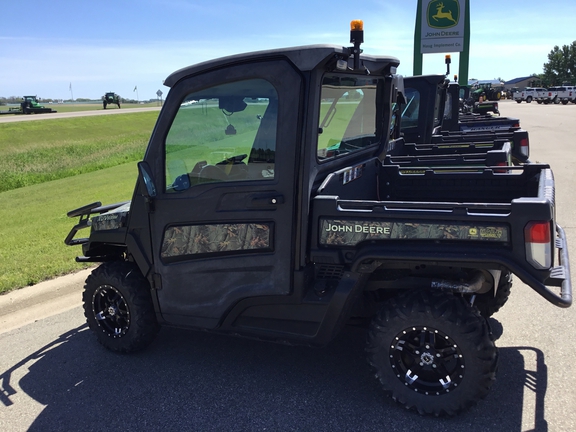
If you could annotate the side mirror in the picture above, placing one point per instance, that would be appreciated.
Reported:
(144, 174)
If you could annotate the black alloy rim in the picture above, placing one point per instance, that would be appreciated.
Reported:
(427, 361)
(111, 311)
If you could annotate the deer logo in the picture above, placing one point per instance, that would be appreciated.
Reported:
(440, 14)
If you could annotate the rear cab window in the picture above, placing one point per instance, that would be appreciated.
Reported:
(348, 116)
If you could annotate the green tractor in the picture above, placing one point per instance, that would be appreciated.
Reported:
(30, 105)
(110, 98)
(485, 92)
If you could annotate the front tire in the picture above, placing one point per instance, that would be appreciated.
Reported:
(118, 307)
(433, 352)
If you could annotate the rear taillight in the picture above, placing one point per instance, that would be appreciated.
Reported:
(525, 146)
(537, 238)
(501, 164)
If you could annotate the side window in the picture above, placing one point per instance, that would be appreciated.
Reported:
(437, 101)
(448, 107)
(347, 115)
(223, 133)
(411, 110)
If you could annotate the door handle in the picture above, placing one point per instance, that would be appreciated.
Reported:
(268, 200)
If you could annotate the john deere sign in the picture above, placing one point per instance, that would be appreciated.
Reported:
(442, 26)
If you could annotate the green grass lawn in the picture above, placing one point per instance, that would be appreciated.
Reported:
(36, 152)
(34, 224)
(49, 168)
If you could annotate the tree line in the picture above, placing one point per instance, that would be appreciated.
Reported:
(561, 66)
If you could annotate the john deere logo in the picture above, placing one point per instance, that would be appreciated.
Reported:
(443, 14)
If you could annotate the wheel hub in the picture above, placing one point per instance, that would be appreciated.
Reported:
(427, 360)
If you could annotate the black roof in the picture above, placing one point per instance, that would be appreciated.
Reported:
(305, 58)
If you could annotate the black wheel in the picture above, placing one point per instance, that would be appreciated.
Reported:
(564, 102)
(118, 105)
(118, 307)
(529, 99)
(433, 352)
(104, 104)
(488, 303)
(519, 101)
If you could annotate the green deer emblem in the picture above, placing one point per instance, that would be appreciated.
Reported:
(440, 14)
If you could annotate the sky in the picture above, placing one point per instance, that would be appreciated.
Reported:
(63, 49)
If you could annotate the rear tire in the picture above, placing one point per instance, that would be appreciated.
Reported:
(519, 101)
(488, 304)
(433, 352)
(118, 307)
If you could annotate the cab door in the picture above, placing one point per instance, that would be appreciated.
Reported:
(224, 157)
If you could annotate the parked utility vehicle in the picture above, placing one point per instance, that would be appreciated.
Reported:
(267, 211)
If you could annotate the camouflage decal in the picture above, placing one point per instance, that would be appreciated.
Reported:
(108, 221)
(215, 238)
(337, 232)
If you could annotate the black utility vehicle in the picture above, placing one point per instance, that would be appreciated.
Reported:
(433, 126)
(267, 210)
(110, 98)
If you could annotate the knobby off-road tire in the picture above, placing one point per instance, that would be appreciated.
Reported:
(488, 304)
(118, 307)
(432, 352)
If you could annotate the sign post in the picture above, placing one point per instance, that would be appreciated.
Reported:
(443, 26)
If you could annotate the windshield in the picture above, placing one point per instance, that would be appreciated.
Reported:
(348, 120)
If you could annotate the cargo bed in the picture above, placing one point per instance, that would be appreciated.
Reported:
(463, 218)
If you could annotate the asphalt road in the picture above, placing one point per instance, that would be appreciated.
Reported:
(54, 376)
(7, 118)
